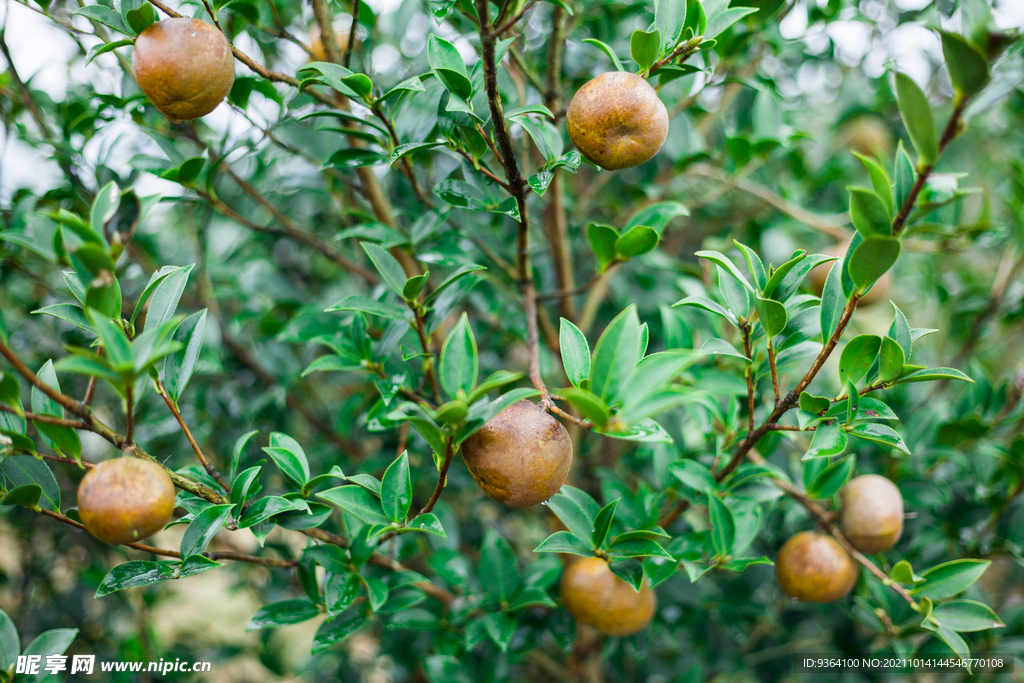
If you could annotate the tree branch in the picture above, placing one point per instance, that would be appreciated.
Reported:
(210, 469)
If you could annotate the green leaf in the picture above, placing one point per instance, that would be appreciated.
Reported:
(10, 645)
(902, 572)
(590, 404)
(724, 19)
(880, 181)
(10, 392)
(707, 305)
(336, 630)
(636, 241)
(355, 158)
(396, 489)
(772, 314)
(857, 358)
(575, 352)
(715, 346)
(53, 642)
(263, 509)
(449, 67)
(452, 279)
(869, 213)
(289, 457)
(576, 509)
(832, 302)
(931, 374)
(165, 297)
(872, 259)
(25, 470)
(693, 474)
(603, 523)
(242, 485)
(236, 452)
(106, 16)
(134, 575)
(887, 436)
(832, 478)
(27, 496)
(723, 261)
(645, 47)
(814, 404)
(602, 240)
(780, 274)
(358, 502)
(968, 68)
(917, 117)
(754, 264)
(203, 528)
(966, 616)
(669, 18)
(283, 613)
(615, 355)
(828, 440)
(903, 171)
(954, 642)
(459, 363)
(427, 523)
(607, 50)
(637, 547)
(890, 360)
(498, 571)
(565, 542)
(178, 366)
(723, 526)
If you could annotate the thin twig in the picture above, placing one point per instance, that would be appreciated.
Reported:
(352, 33)
(46, 419)
(210, 469)
(442, 478)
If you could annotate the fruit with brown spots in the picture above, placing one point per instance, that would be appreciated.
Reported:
(813, 567)
(594, 596)
(617, 121)
(871, 513)
(878, 292)
(125, 500)
(521, 456)
(184, 66)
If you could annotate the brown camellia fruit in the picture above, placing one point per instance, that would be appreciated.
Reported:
(617, 121)
(184, 66)
(594, 596)
(125, 500)
(868, 135)
(813, 567)
(521, 456)
(871, 513)
(316, 45)
(878, 292)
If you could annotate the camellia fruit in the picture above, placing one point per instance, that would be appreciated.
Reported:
(521, 456)
(871, 513)
(617, 120)
(593, 595)
(125, 500)
(184, 66)
(813, 567)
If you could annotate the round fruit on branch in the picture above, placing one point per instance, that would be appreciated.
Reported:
(871, 513)
(521, 456)
(593, 595)
(185, 67)
(617, 120)
(813, 567)
(125, 500)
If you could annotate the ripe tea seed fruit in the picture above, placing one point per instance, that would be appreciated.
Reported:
(813, 567)
(594, 596)
(184, 66)
(521, 456)
(871, 513)
(125, 500)
(617, 120)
